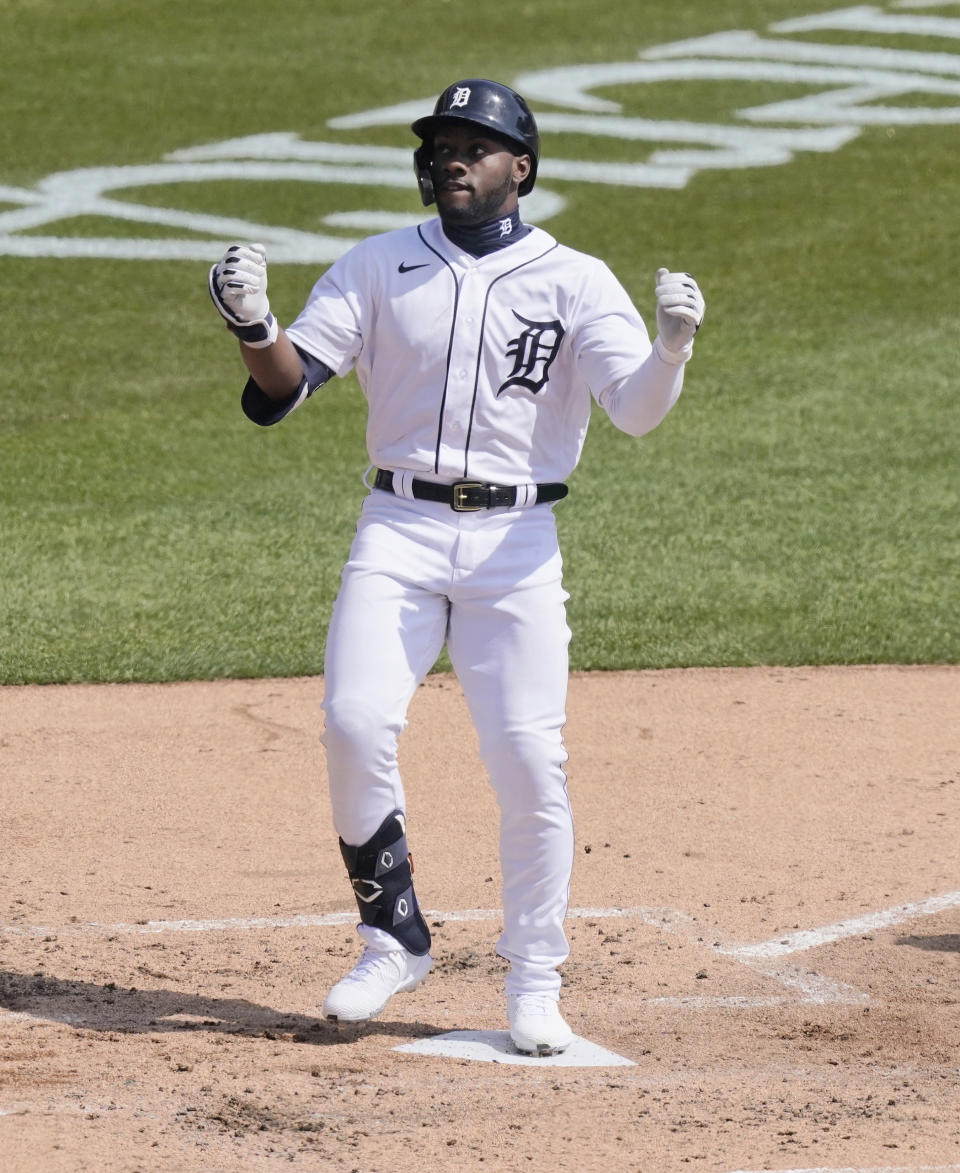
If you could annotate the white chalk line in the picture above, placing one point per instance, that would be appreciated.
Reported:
(764, 958)
(812, 987)
(659, 917)
(669, 918)
(872, 1169)
(828, 934)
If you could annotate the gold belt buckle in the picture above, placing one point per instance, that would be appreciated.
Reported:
(460, 489)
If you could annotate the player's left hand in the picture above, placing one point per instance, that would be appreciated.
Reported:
(680, 308)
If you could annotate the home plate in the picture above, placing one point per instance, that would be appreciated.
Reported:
(496, 1046)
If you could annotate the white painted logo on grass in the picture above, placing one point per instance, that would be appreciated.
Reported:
(847, 87)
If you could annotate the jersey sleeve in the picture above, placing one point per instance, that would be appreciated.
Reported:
(626, 374)
(332, 325)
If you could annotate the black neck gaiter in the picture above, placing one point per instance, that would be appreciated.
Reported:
(480, 239)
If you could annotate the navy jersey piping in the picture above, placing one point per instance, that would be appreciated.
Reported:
(453, 326)
(483, 326)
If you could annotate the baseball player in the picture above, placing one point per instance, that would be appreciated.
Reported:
(479, 342)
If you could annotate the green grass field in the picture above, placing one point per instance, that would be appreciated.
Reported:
(798, 506)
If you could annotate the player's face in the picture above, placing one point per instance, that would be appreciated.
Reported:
(476, 176)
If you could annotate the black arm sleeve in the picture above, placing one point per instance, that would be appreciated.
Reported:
(261, 409)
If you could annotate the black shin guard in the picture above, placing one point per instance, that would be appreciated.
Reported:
(382, 876)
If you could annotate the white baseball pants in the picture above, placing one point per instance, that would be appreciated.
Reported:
(489, 584)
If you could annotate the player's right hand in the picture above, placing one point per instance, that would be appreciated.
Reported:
(238, 288)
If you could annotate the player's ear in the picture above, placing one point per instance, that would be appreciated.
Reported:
(521, 168)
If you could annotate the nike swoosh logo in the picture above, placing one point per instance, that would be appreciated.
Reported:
(402, 268)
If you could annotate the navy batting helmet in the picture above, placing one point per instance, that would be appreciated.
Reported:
(486, 104)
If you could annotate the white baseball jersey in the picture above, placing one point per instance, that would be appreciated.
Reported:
(483, 367)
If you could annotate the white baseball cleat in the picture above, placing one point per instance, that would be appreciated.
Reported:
(536, 1025)
(372, 982)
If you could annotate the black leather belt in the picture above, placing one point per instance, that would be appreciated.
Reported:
(468, 496)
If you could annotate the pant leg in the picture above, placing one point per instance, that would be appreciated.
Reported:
(508, 640)
(386, 631)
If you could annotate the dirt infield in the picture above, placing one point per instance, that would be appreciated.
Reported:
(765, 923)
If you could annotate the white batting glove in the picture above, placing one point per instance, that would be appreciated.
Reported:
(680, 308)
(238, 287)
